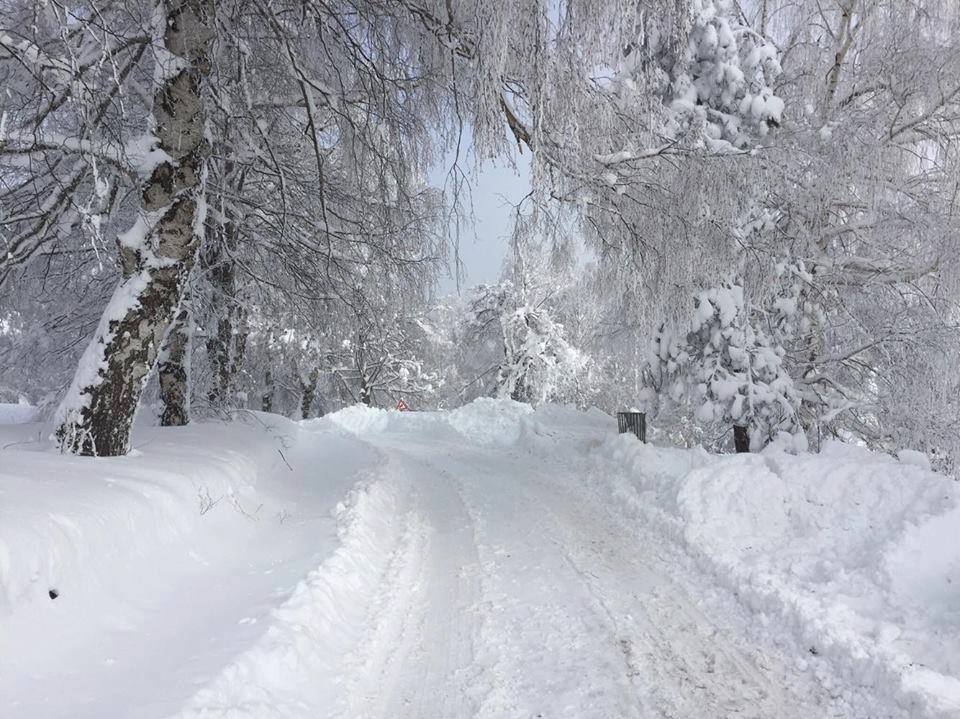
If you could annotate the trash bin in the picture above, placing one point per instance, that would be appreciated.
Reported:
(635, 422)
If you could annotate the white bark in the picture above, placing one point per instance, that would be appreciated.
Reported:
(157, 253)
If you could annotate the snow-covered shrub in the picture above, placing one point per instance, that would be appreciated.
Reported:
(727, 368)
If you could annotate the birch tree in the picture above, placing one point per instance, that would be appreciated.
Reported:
(860, 191)
(158, 251)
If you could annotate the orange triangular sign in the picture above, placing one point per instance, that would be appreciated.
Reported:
(402, 406)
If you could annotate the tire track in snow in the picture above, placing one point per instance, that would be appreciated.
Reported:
(742, 677)
(418, 659)
(663, 636)
(488, 582)
(392, 619)
(546, 647)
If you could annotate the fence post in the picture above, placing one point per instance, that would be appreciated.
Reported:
(635, 422)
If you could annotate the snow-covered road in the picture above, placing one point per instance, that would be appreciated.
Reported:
(415, 567)
(533, 600)
(508, 589)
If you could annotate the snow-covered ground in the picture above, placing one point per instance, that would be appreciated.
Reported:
(850, 555)
(489, 562)
(166, 564)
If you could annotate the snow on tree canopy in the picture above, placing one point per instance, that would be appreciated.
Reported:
(539, 364)
(719, 89)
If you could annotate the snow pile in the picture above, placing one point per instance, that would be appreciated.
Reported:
(128, 583)
(358, 419)
(297, 667)
(68, 522)
(856, 552)
(912, 456)
(488, 421)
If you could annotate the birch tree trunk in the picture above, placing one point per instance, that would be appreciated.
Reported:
(308, 389)
(741, 438)
(158, 252)
(366, 392)
(173, 369)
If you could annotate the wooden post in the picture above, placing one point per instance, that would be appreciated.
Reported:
(635, 422)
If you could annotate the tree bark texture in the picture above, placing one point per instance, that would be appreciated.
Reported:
(227, 346)
(366, 392)
(157, 254)
(309, 392)
(173, 369)
(266, 402)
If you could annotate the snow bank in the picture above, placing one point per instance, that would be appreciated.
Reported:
(358, 419)
(298, 666)
(164, 563)
(68, 522)
(856, 552)
(490, 421)
(484, 421)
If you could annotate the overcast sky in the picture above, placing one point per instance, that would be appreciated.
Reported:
(495, 189)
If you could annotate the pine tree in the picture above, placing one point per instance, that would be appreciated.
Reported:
(728, 369)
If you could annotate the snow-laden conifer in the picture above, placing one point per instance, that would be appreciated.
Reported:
(727, 368)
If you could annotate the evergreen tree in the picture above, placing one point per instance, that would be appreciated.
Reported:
(729, 369)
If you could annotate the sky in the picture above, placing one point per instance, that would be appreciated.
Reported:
(495, 188)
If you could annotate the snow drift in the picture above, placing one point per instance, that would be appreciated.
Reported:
(296, 668)
(67, 521)
(125, 582)
(485, 421)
